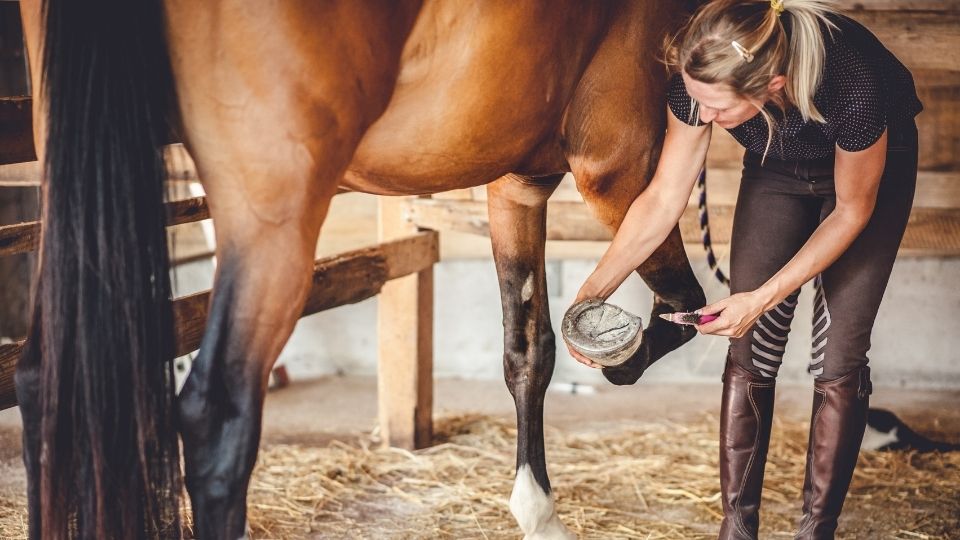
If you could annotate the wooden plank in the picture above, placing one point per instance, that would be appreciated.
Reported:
(187, 211)
(19, 238)
(939, 124)
(930, 230)
(337, 281)
(920, 39)
(405, 343)
(20, 174)
(180, 168)
(16, 130)
(853, 6)
(340, 280)
(9, 354)
(24, 237)
(565, 220)
(935, 189)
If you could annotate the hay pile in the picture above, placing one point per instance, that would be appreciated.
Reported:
(636, 480)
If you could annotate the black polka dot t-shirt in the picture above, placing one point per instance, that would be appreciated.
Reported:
(864, 89)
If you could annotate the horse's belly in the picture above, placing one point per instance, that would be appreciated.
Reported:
(481, 93)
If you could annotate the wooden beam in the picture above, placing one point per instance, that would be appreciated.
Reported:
(180, 168)
(16, 130)
(337, 281)
(9, 354)
(19, 238)
(405, 341)
(930, 230)
(920, 39)
(24, 237)
(20, 174)
(854, 6)
(935, 189)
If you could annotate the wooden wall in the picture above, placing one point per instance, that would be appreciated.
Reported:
(924, 34)
(17, 203)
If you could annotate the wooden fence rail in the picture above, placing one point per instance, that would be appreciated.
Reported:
(339, 280)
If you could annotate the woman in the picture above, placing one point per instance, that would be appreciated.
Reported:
(826, 114)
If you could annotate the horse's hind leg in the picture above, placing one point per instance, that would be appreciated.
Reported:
(517, 208)
(275, 97)
(263, 276)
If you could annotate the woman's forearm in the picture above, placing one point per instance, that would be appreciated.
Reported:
(831, 238)
(654, 213)
(646, 225)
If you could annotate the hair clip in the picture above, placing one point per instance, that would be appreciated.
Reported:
(742, 51)
(777, 5)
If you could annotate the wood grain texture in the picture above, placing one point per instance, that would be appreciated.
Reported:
(337, 281)
(405, 343)
(930, 230)
(16, 130)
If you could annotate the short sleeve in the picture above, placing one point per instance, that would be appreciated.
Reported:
(861, 111)
(680, 102)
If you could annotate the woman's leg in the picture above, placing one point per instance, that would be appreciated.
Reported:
(848, 298)
(775, 215)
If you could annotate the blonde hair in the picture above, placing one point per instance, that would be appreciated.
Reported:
(743, 44)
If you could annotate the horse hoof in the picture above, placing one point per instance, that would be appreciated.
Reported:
(604, 333)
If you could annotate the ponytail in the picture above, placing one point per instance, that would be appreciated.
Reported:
(806, 50)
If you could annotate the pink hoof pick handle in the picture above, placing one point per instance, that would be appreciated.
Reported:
(602, 332)
(681, 317)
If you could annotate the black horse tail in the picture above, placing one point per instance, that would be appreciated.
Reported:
(110, 457)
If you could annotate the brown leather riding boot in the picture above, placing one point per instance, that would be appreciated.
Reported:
(746, 412)
(836, 431)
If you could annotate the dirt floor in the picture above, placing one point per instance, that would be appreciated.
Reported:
(321, 475)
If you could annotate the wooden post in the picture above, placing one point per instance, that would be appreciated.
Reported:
(405, 341)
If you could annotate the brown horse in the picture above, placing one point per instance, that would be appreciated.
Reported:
(281, 103)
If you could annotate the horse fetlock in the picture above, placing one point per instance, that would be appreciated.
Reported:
(219, 506)
(630, 371)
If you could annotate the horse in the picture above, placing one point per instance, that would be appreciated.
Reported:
(280, 104)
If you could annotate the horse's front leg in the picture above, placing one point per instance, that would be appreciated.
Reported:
(517, 209)
(609, 186)
(263, 276)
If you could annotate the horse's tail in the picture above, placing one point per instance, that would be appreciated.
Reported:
(110, 457)
(705, 229)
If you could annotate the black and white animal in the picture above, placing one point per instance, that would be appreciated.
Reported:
(885, 431)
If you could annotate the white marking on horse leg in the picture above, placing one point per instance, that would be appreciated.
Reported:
(874, 439)
(526, 293)
(534, 510)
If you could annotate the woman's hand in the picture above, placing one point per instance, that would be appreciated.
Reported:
(736, 314)
(581, 358)
(588, 290)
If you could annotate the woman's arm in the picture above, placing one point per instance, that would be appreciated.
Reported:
(857, 180)
(655, 212)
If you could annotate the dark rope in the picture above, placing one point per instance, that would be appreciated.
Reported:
(705, 229)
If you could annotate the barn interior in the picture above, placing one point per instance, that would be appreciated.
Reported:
(389, 418)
